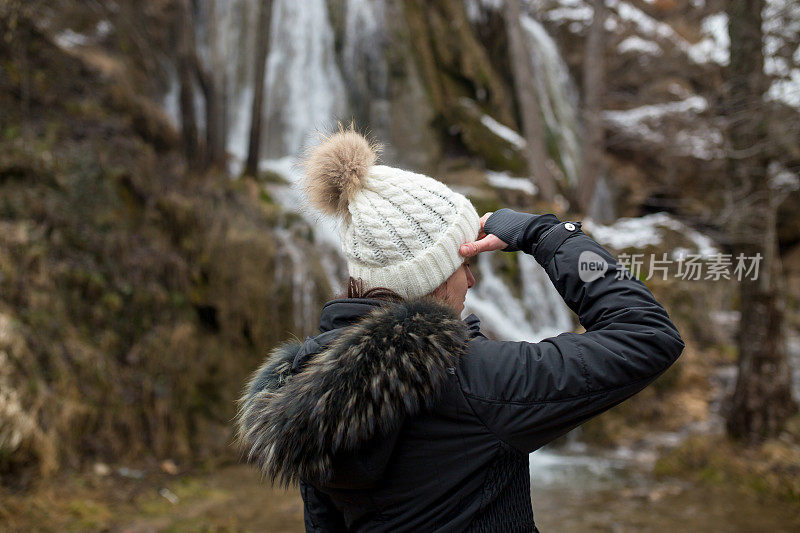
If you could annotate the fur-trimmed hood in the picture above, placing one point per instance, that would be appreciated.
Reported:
(329, 410)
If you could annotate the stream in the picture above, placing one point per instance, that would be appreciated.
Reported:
(575, 489)
(593, 492)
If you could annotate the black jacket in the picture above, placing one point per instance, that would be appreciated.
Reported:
(402, 417)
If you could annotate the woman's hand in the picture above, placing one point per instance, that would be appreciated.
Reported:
(485, 243)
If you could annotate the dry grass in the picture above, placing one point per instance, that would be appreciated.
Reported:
(230, 498)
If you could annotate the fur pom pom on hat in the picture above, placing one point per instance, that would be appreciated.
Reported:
(399, 229)
(337, 169)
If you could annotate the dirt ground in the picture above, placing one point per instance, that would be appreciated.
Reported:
(233, 498)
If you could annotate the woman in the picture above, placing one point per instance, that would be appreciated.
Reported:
(399, 416)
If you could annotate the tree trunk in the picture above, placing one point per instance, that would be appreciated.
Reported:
(762, 400)
(256, 119)
(592, 159)
(529, 109)
(187, 65)
(213, 82)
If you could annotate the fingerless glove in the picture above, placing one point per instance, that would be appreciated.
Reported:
(521, 231)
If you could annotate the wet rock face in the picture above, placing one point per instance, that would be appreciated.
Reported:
(414, 140)
(433, 81)
(661, 85)
(665, 73)
(134, 298)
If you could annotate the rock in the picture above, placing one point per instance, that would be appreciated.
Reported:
(168, 466)
(131, 473)
(168, 495)
(101, 469)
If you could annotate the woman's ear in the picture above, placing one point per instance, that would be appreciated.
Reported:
(440, 292)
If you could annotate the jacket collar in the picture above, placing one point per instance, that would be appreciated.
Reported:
(474, 326)
(342, 312)
(390, 362)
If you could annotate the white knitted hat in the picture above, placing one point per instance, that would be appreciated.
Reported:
(399, 229)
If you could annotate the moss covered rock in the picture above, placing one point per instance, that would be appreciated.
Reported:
(134, 298)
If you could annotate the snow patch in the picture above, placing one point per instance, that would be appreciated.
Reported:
(476, 9)
(786, 91)
(632, 117)
(710, 49)
(781, 178)
(575, 13)
(697, 139)
(69, 39)
(781, 27)
(715, 46)
(503, 180)
(640, 232)
(639, 45)
(103, 28)
(703, 142)
(504, 132)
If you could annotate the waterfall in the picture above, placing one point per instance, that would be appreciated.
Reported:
(292, 269)
(307, 88)
(793, 351)
(539, 313)
(500, 312)
(236, 37)
(548, 312)
(303, 91)
(225, 33)
(365, 67)
(304, 87)
(325, 228)
(558, 96)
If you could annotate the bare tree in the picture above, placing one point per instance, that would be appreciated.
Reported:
(592, 160)
(762, 401)
(529, 108)
(187, 67)
(212, 81)
(15, 35)
(256, 118)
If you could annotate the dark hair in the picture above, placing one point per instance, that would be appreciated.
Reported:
(355, 289)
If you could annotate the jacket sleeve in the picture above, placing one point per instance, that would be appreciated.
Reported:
(319, 513)
(528, 394)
